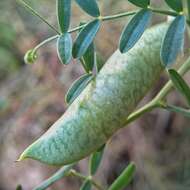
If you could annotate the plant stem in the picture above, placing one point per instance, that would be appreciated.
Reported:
(76, 174)
(120, 15)
(45, 42)
(37, 14)
(77, 28)
(157, 101)
(55, 37)
(116, 16)
(147, 108)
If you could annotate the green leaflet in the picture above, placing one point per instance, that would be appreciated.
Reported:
(99, 63)
(179, 110)
(19, 187)
(85, 38)
(64, 14)
(90, 7)
(77, 87)
(175, 5)
(188, 9)
(88, 58)
(64, 48)
(86, 185)
(134, 30)
(141, 3)
(180, 84)
(95, 160)
(62, 172)
(103, 106)
(173, 41)
(124, 179)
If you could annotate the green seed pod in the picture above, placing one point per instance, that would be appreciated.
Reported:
(30, 56)
(101, 109)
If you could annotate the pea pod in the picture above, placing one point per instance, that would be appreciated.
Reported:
(101, 109)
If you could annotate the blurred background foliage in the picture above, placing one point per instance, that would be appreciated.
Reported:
(32, 98)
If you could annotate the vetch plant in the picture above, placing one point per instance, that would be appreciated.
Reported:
(101, 102)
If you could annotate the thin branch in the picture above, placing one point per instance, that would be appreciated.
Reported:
(76, 174)
(37, 14)
(45, 42)
(116, 16)
(55, 37)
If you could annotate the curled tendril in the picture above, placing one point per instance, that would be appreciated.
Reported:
(30, 56)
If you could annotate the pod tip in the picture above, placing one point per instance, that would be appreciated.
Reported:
(22, 157)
